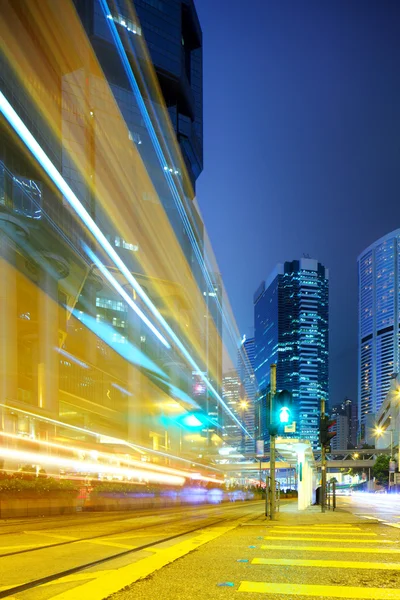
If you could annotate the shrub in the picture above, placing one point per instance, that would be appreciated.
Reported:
(14, 485)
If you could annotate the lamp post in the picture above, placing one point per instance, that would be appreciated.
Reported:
(379, 431)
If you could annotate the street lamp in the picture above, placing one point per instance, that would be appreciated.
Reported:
(379, 431)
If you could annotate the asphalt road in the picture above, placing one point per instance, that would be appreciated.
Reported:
(33, 549)
(385, 507)
(309, 555)
(206, 553)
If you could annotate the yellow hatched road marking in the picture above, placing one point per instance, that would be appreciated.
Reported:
(311, 539)
(327, 591)
(17, 546)
(340, 564)
(51, 535)
(274, 531)
(332, 549)
(109, 583)
(107, 543)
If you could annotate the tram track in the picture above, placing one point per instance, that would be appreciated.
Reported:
(36, 583)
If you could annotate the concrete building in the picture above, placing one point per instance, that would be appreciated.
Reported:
(388, 417)
(379, 321)
(341, 428)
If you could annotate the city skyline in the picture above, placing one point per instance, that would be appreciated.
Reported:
(319, 147)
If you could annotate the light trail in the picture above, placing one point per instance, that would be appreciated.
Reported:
(112, 458)
(163, 162)
(111, 440)
(88, 466)
(31, 143)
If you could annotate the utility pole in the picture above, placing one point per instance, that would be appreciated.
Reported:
(272, 380)
(323, 462)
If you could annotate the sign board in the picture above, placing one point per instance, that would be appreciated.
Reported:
(259, 447)
(392, 466)
(291, 428)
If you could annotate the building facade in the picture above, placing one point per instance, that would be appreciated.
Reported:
(249, 392)
(291, 319)
(378, 321)
(80, 340)
(341, 428)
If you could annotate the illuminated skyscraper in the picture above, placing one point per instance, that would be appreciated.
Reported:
(249, 392)
(291, 330)
(378, 321)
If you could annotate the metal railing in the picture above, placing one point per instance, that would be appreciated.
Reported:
(268, 497)
(331, 495)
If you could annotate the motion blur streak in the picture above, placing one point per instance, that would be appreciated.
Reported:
(87, 466)
(64, 188)
(108, 439)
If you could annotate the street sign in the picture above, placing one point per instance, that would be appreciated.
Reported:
(392, 466)
(259, 447)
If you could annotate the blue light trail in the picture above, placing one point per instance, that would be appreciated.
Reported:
(37, 151)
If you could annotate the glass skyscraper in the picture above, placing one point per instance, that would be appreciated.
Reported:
(378, 322)
(291, 330)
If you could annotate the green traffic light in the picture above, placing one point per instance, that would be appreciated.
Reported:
(284, 414)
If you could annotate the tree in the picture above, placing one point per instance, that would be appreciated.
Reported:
(380, 470)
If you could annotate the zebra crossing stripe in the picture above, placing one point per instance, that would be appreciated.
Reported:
(332, 549)
(334, 564)
(324, 591)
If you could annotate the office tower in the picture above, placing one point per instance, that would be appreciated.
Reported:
(86, 113)
(231, 393)
(341, 428)
(173, 36)
(249, 393)
(349, 408)
(378, 321)
(291, 330)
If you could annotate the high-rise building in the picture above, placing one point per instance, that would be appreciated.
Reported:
(378, 321)
(341, 428)
(291, 330)
(53, 358)
(249, 384)
(173, 36)
(349, 408)
(231, 393)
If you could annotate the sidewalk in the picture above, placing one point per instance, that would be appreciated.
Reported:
(289, 514)
(308, 554)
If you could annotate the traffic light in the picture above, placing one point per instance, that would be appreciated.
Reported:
(282, 418)
(192, 420)
(325, 435)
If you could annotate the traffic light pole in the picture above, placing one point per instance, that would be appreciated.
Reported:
(323, 464)
(272, 457)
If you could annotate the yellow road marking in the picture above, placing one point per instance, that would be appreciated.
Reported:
(107, 543)
(110, 583)
(274, 531)
(310, 539)
(348, 527)
(333, 549)
(51, 535)
(340, 564)
(328, 591)
(17, 546)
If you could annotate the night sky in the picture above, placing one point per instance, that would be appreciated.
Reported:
(302, 147)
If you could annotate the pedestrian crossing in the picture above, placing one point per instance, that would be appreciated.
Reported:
(290, 558)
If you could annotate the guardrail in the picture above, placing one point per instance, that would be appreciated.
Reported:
(331, 495)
